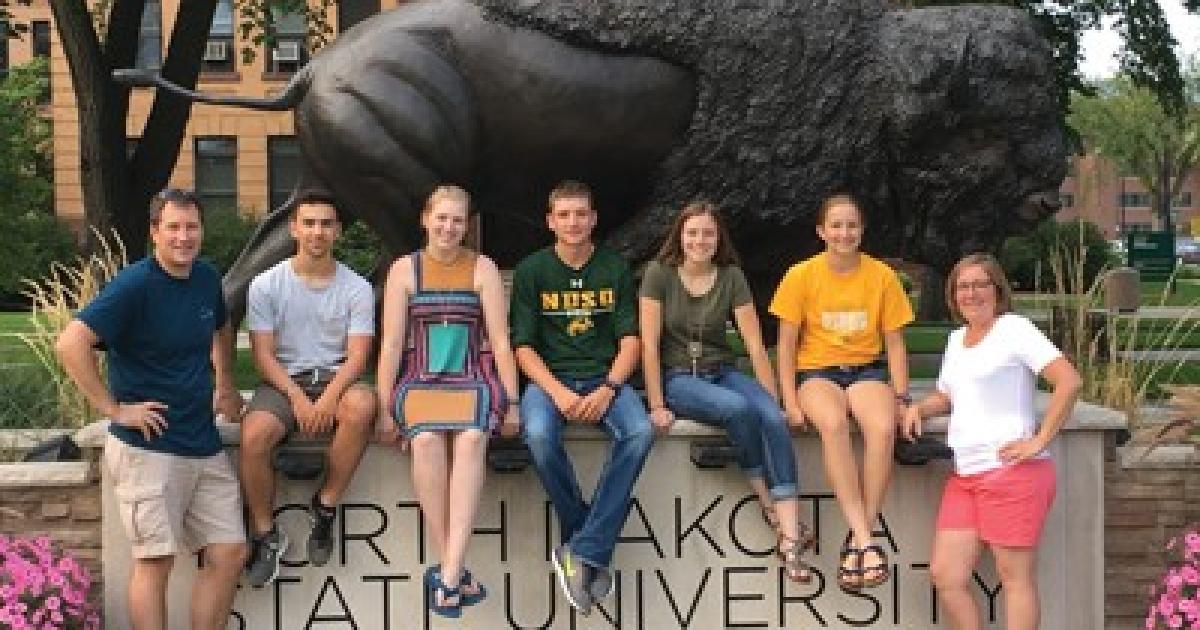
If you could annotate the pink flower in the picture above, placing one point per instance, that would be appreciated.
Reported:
(1192, 542)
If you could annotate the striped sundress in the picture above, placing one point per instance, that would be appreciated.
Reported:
(448, 379)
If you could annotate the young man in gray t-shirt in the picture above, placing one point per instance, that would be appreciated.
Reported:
(311, 323)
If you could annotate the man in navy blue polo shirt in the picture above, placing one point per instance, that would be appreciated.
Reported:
(162, 322)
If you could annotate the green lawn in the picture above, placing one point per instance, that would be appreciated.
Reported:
(14, 322)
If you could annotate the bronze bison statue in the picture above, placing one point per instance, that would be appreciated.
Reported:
(943, 120)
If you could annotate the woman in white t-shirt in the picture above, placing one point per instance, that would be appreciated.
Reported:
(1003, 481)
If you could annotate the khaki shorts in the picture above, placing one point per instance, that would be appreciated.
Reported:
(269, 399)
(312, 382)
(169, 503)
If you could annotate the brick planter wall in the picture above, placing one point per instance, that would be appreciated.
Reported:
(1146, 504)
(67, 511)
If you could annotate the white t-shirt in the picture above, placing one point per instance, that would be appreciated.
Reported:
(991, 387)
(310, 325)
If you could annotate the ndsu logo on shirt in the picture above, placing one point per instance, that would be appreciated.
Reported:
(578, 304)
(844, 322)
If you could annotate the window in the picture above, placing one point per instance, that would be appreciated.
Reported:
(216, 171)
(41, 48)
(1134, 200)
(351, 12)
(219, 53)
(41, 38)
(1143, 200)
(3, 49)
(289, 53)
(1067, 200)
(149, 52)
(283, 165)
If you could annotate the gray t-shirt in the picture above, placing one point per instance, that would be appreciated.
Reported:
(310, 325)
(688, 318)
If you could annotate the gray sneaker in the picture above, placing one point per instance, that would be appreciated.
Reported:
(266, 551)
(320, 537)
(601, 584)
(573, 579)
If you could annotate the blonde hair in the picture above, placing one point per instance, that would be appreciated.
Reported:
(447, 192)
(995, 273)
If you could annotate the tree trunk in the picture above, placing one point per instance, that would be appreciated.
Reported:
(116, 189)
(158, 150)
(101, 128)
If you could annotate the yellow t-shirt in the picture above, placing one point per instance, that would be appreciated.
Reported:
(842, 318)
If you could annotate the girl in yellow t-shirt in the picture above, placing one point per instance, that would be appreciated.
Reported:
(838, 312)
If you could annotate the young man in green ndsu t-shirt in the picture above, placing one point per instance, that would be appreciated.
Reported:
(574, 327)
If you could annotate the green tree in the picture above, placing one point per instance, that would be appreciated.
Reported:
(101, 36)
(24, 164)
(1126, 123)
(32, 238)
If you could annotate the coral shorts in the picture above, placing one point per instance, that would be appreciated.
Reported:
(1007, 506)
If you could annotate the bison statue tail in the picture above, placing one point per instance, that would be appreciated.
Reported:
(286, 99)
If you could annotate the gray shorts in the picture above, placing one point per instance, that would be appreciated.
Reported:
(268, 398)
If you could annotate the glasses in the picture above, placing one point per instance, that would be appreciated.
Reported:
(978, 285)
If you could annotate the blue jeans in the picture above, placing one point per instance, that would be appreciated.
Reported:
(590, 532)
(728, 399)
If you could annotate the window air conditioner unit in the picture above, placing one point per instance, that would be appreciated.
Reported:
(216, 50)
(287, 51)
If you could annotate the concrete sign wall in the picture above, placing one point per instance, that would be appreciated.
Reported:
(694, 552)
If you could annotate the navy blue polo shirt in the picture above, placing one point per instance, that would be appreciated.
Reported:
(158, 332)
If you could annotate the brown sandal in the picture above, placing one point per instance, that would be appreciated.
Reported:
(794, 566)
(875, 574)
(850, 575)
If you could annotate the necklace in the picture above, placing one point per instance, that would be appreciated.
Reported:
(695, 327)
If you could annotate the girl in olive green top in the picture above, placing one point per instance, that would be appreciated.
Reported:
(688, 294)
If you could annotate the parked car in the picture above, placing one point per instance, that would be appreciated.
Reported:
(1188, 251)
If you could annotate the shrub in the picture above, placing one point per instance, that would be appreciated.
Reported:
(226, 232)
(43, 586)
(31, 242)
(27, 399)
(1027, 259)
(359, 249)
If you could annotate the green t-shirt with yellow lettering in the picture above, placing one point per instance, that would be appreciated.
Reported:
(573, 318)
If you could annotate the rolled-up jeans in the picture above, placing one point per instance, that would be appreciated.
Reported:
(724, 397)
(590, 531)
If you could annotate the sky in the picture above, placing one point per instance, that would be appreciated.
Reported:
(1100, 46)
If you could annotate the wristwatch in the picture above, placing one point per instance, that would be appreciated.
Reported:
(904, 398)
(613, 385)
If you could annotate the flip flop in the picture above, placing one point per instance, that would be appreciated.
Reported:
(470, 599)
(433, 586)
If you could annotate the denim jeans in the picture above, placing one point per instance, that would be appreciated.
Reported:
(728, 399)
(590, 532)
(846, 375)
